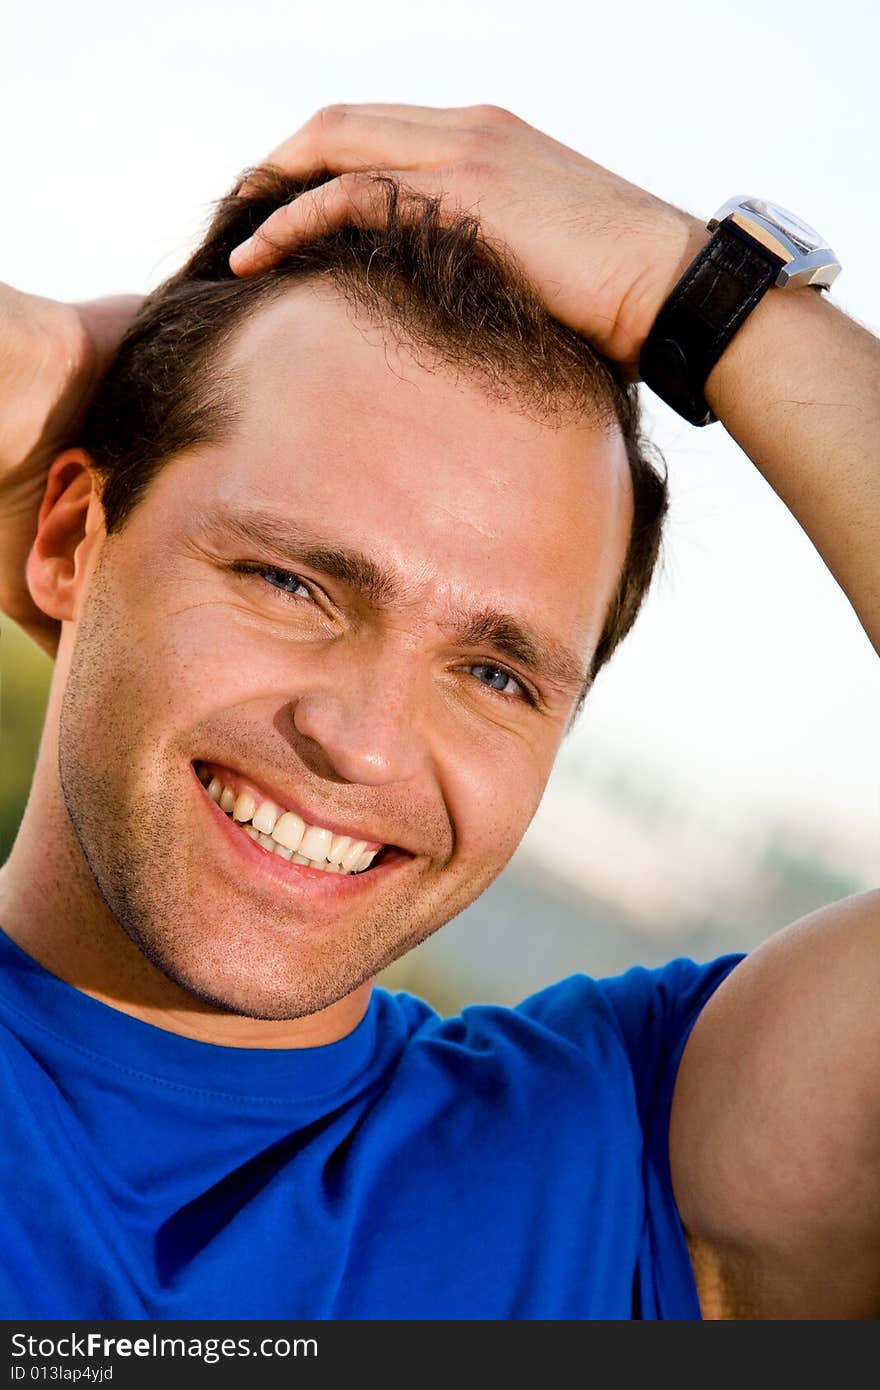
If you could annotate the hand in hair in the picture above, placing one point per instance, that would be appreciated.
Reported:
(53, 356)
(601, 253)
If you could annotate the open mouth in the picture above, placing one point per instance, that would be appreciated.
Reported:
(285, 833)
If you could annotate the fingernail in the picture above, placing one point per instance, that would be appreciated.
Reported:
(240, 253)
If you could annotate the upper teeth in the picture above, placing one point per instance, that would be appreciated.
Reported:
(286, 833)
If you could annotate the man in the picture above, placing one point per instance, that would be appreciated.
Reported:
(347, 534)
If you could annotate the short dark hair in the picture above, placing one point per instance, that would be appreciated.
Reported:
(430, 277)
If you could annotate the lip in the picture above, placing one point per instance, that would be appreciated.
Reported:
(296, 878)
(286, 803)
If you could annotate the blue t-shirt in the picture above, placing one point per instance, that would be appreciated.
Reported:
(506, 1163)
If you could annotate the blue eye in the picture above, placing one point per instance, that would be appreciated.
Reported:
(285, 581)
(281, 581)
(499, 680)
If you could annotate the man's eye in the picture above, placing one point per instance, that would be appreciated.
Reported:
(499, 680)
(283, 582)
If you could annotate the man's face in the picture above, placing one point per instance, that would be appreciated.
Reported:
(234, 629)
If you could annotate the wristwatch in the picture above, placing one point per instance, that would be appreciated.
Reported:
(755, 245)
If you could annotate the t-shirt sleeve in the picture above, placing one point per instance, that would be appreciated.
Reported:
(650, 1014)
(656, 1011)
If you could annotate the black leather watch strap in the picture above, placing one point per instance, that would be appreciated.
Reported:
(717, 292)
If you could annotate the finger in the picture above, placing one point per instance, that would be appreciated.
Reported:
(359, 198)
(342, 138)
(437, 118)
(341, 143)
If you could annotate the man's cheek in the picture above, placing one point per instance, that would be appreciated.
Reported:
(493, 798)
(212, 655)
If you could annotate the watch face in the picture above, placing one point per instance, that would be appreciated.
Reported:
(804, 256)
(803, 236)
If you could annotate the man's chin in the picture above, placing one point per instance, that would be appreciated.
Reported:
(235, 978)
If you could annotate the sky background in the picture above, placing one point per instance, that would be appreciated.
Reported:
(748, 693)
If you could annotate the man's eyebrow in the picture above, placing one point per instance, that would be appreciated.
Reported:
(293, 544)
(521, 644)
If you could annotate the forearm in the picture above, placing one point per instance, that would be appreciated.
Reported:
(799, 390)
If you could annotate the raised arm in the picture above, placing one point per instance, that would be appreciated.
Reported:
(52, 356)
(775, 1140)
(775, 1137)
(799, 390)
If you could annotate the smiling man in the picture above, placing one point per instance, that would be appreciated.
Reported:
(302, 563)
(336, 555)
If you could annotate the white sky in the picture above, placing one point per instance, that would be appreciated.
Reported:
(748, 686)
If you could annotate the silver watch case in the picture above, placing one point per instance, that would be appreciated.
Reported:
(808, 258)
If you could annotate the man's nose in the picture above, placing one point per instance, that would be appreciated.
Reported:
(362, 720)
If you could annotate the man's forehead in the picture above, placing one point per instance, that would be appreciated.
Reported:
(313, 343)
(306, 376)
(305, 321)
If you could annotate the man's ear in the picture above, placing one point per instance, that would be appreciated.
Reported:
(70, 524)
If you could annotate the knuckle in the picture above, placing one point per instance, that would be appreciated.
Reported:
(351, 180)
(354, 190)
(326, 117)
(490, 115)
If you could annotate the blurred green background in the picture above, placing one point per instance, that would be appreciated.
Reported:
(25, 674)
